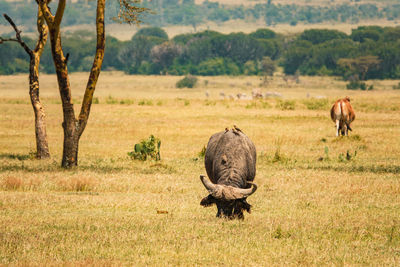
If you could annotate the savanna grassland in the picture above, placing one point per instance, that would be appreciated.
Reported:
(321, 200)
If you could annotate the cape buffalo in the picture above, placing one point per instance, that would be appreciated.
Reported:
(230, 162)
(342, 114)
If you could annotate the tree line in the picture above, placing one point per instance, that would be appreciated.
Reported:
(368, 52)
(187, 12)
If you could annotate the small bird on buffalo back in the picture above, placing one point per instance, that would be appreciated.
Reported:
(236, 128)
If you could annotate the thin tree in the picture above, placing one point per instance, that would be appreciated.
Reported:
(268, 68)
(74, 126)
(42, 147)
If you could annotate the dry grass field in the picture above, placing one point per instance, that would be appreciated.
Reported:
(313, 206)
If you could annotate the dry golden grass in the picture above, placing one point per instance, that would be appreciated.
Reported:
(312, 206)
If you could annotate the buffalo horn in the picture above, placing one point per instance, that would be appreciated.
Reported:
(227, 192)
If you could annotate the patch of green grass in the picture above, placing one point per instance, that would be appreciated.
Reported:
(258, 104)
(316, 104)
(286, 104)
(111, 100)
(210, 102)
(145, 103)
(127, 101)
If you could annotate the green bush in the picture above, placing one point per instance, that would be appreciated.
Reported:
(188, 81)
(202, 152)
(149, 148)
(354, 85)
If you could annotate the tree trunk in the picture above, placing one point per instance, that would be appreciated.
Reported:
(73, 128)
(70, 148)
(42, 147)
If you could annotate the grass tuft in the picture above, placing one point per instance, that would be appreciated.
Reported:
(77, 184)
(286, 104)
(13, 183)
(317, 104)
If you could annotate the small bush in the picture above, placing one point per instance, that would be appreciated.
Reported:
(354, 85)
(147, 148)
(202, 152)
(396, 87)
(188, 81)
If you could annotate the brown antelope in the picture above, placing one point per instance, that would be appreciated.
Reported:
(342, 114)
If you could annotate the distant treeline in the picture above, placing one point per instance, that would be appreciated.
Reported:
(368, 52)
(187, 12)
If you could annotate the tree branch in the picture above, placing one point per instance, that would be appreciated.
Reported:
(17, 35)
(59, 13)
(96, 67)
(43, 32)
(46, 12)
(2, 40)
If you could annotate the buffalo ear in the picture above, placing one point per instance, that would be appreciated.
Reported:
(208, 201)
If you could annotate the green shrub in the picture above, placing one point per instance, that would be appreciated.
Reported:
(202, 152)
(354, 85)
(149, 148)
(188, 81)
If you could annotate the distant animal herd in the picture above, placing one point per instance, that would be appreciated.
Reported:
(230, 162)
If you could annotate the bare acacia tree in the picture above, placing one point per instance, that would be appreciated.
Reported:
(74, 126)
(42, 147)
